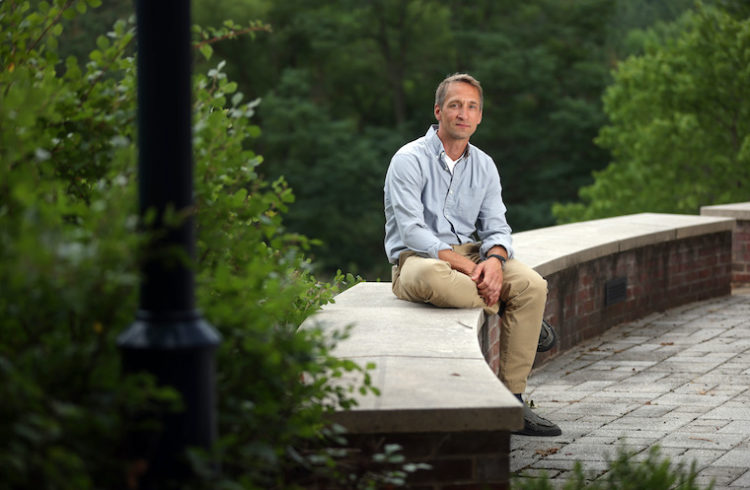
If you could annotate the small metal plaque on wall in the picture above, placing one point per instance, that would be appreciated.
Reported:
(615, 290)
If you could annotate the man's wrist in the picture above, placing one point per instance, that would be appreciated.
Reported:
(499, 257)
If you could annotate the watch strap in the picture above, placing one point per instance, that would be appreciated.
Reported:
(502, 259)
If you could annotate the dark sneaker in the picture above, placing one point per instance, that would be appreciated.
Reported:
(547, 337)
(534, 425)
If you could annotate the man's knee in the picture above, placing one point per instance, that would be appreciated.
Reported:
(537, 284)
(525, 282)
(433, 281)
(420, 276)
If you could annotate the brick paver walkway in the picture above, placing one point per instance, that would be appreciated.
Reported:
(678, 379)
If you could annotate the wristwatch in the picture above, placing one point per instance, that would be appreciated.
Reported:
(502, 259)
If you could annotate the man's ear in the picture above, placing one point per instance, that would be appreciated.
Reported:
(437, 112)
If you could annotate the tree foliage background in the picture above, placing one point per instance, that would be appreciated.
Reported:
(343, 83)
(679, 122)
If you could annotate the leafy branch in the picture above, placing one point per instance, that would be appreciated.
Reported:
(49, 26)
(229, 30)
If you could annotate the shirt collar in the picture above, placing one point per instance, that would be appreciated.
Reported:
(436, 146)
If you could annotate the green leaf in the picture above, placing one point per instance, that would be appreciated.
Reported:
(206, 50)
(229, 87)
(101, 42)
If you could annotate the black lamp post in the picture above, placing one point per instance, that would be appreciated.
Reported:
(169, 338)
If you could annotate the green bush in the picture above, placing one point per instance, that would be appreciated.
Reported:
(624, 473)
(69, 261)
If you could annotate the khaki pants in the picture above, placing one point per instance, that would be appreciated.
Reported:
(524, 294)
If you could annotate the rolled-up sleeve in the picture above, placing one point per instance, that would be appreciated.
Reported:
(405, 224)
(492, 226)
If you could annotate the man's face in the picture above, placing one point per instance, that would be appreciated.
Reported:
(461, 112)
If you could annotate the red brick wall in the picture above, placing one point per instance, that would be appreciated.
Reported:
(459, 460)
(490, 342)
(659, 277)
(741, 254)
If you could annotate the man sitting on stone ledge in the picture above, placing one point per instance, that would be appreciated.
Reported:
(441, 192)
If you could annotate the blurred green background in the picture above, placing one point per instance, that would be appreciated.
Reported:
(343, 84)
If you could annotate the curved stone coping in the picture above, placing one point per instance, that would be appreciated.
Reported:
(429, 366)
(552, 249)
(740, 211)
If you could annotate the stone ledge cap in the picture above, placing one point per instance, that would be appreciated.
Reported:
(739, 210)
(549, 250)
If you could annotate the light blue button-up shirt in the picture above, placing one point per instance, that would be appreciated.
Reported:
(428, 209)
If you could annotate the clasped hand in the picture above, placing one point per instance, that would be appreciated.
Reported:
(488, 276)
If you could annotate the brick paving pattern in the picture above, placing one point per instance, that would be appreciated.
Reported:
(678, 379)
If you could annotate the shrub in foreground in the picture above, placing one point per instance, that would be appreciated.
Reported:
(625, 472)
(69, 256)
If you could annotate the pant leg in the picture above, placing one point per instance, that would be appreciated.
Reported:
(524, 294)
(426, 280)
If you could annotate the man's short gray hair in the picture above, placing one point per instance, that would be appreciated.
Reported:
(457, 77)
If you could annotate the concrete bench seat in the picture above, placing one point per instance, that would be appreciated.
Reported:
(429, 367)
(440, 398)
